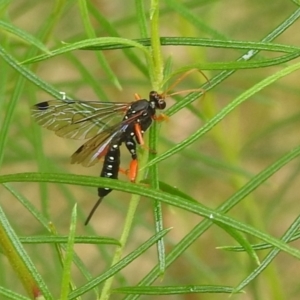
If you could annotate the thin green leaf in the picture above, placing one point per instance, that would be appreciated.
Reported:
(20, 261)
(5, 125)
(200, 228)
(202, 42)
(166, 198)
(236, 65)
(141, 17)
(29, 206)
(91, 34)
(269, 258)
(28, 74)
(174, 290)
(157, 208)
(245, 57)
(103, 22)
(119, 265)
(224, 112)
(11, 295)
(242, 241)
(53, 239)
(23, 36)
(87, 43)
(257, 247)
(67, 263)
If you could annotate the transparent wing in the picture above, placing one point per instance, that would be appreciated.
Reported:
(78, 119)
(95, 148)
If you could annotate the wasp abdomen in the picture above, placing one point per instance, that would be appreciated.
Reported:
(111, 167)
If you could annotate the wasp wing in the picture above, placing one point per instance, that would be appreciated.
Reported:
(78, 119)
(95, 148)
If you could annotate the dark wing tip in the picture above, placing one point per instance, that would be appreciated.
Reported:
(79, 149)
(42, 105)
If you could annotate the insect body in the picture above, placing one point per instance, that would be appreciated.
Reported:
(106, 125)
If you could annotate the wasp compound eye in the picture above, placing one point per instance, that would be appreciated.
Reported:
(161, 104)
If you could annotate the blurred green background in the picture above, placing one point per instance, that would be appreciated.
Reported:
(213, 168)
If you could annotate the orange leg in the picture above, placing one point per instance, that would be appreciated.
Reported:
(123, 171)
(139, 137)
(161, 117)
(137, 97)
(139, 134)
(133, 170)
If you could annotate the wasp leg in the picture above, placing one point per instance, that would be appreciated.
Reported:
(160, 118)
(139, 134)
(133, 167)
(140, 139)
(133, 170)
(137, 97)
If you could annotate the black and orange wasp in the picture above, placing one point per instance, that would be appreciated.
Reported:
(106, 125)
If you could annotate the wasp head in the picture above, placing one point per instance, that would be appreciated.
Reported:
(157, 100)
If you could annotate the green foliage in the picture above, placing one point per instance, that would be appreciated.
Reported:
(223, 170)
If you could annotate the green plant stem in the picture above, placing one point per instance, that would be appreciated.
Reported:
(157, 76)
(157, 84)
(127, 227)
(123, 240)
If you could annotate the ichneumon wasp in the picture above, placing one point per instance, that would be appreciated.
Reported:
(106, 125)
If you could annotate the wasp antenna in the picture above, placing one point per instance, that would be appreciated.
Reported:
(178, 80)
(93, 210)
(188, 91)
